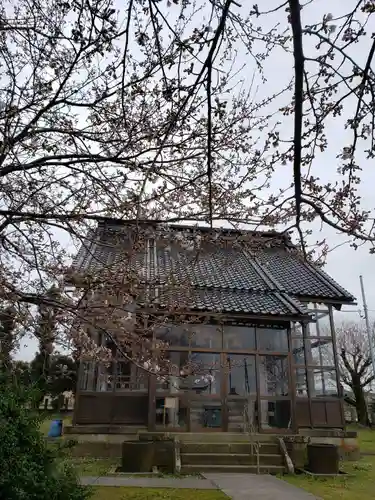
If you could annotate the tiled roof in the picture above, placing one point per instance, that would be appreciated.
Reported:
(229, 269)
(226, 278)
(236, 301)
(298, 277)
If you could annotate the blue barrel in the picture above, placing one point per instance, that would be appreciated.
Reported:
(55, 429)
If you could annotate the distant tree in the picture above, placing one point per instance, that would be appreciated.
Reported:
(56, 376)
(62, 375)
(355, 366)
(45, 330)
(7, 337)
(21, 371)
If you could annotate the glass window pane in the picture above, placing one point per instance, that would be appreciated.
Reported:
(104, 377)
(209, 336)
(298, 351)
(311, 329)
(177, 380)
(239, 337)
(174, 335)
(205, 373)
(319, 352)
(129, 377)
(296, 330)
(272, 339)
(320, 327)
(86, 376)
(241, 375)
(242, 415)
(175, 417)
(322, 382)
(301, 382)
(205, 414)
(273, 376)
(275, 414)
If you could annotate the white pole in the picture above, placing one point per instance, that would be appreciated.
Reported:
(368, 328)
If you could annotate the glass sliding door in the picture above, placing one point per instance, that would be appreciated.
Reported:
(206, 409)
(171, 395)
(274, 392)
(241, 392)
(232, 378)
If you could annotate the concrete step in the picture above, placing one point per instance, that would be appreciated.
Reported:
(224, 437)
(241, 447)
(103, 429)
(203, 459)
(249, 469)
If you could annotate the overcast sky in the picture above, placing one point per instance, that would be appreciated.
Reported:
(344, 264)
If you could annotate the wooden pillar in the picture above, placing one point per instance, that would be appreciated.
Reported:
(292, 380)
(335, 357)
(257, 412)
(151, 418)
(188, 405)
(78, 389)
(223, 373)
(308, 377)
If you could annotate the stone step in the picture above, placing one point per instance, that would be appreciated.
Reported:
(203, 459)
(241, 447)
(249, 469)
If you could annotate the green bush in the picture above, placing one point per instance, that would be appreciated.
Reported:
(30, 467)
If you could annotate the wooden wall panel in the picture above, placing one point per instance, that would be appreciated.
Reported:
(303, 412)
(318, 413)
(107, 408)
(92, 409)
(130, 410)
(334, 414)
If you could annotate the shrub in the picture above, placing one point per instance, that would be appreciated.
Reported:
(31, 468)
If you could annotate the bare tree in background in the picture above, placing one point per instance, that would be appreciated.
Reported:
(355, 366)
(8, 337)
(151, 110)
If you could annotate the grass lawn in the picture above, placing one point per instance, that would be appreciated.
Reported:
(67, 420)
(106, 467)
(358, 485)
(123, 493)
(95, 466)
(366, 438)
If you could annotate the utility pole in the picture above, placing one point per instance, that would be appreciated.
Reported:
(368, 328)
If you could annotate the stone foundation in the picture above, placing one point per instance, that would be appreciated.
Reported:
(107, 441)
(99, 441)
(144, 456)
(347, 441)
(98, 449)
